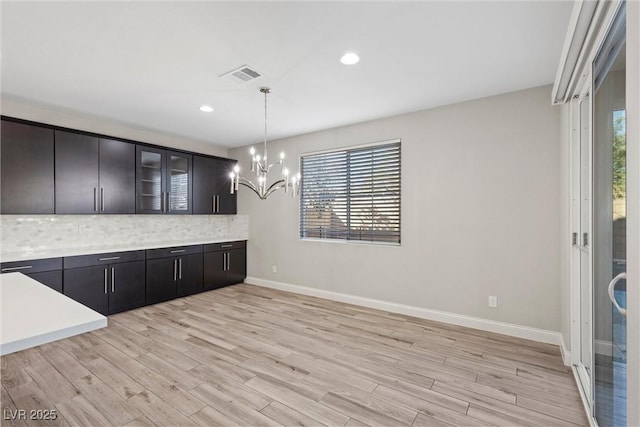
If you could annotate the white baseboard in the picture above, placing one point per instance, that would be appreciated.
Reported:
(566, 354)
(534, 334)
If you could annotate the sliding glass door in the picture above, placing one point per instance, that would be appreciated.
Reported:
(609, 227)
(599, 227)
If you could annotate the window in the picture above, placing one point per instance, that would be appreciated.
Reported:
(352, 194)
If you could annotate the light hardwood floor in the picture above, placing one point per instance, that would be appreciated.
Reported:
(250, 356)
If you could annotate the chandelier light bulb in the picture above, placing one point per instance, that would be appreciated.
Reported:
(252, 151)
(282, 155)
(285, 172)
(236, 169)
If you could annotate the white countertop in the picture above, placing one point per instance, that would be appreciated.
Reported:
(32, 314)
(101, 249)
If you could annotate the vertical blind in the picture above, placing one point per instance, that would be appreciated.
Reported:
(352, 194)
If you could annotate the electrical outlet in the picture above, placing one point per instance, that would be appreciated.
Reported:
(274, 268)
(493, 301)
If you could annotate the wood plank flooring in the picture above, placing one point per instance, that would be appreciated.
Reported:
(251, 356)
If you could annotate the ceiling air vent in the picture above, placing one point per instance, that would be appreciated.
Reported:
(242, 74)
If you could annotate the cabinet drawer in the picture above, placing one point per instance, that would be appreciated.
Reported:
(173, 251)
(100, 259)
(32, 266)
(224, 246)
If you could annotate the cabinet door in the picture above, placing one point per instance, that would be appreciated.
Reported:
(227, 202)
(76, 173)
(27, 169)
(52, 279)
(236, 265)
(204, 186)
(88, 286)
(179, 183)
(126, 286)
(189, 274)
(150, 180)
(214, 272)
(117, 177)
(162, 276)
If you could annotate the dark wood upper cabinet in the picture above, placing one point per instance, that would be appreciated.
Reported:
(164, 181)
(117, 177)
(212, 186)
(77, 162)
(93, 175)
(27, 169)
(46, 170)
(227, 202)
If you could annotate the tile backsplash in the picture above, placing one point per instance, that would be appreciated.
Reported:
(22, 233)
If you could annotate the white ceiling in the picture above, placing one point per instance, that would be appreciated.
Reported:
(152, 64)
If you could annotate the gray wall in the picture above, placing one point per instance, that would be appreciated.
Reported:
(480, 214)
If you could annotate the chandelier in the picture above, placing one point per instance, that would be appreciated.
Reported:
(261, 167)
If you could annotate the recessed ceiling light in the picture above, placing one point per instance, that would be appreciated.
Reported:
(350, 58)
(206, 109)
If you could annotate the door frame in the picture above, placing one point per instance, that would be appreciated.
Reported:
(575, 271)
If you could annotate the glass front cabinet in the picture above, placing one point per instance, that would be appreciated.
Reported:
(163, 181)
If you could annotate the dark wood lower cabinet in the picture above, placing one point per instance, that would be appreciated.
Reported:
(224, 264)
(161, 279)
(107, 288)
(88, 286)
(190, 274)
(52, 279)
(127, 286)
(174, 276)
(236, 265)
(113, 282)
(215, 274)
(46, 271)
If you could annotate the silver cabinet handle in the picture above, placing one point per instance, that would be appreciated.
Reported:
(228, 260)
(95, 199)
(101, 199)
(180, 268)
(23, 267)
(213, 204)
(113, 279)
(167, 205)
(224, 261)
(177, 251)
(105, 280)
(227, 246)
(162, 201)
(175, 270)
(218, 203)
(108, 258)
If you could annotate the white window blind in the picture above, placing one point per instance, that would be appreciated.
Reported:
(352, 194)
